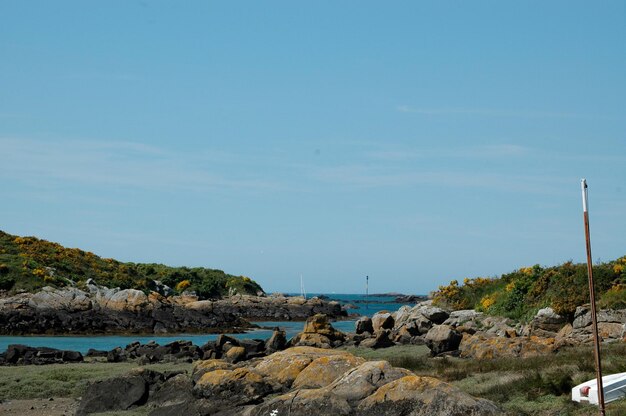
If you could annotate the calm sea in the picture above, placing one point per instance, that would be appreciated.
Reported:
(108, 342)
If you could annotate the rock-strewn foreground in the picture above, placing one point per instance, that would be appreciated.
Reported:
(102, 310)
(300, 381)
(472, 334)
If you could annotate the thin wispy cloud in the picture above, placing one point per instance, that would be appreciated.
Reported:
(361, 176)
(118, 164)
(491, 112)
(469, 152)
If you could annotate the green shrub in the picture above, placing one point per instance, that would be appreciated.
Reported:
(520, 294)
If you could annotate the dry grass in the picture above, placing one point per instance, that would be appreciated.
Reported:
(522, 386)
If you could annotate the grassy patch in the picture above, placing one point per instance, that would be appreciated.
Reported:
(64, 380)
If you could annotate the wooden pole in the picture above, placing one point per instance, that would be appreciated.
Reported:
(592, 297)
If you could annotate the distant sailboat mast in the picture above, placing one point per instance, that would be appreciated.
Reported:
(302, 291)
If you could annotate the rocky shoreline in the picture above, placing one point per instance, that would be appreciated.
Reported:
(100, 310)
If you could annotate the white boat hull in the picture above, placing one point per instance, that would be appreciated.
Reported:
(614, 387)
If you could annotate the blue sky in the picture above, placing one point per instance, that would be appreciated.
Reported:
(414, 142)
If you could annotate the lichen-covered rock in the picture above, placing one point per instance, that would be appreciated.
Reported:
(235, 354)
(202, 367)
(363, 380)
(319, 333)
(300, 381)
(324, 370)
(304, 403)
(233, 387)
(423, 396)
(285, 366)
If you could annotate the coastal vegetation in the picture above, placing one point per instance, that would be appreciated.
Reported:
(29, 263)
(539, 385)
(521, 293)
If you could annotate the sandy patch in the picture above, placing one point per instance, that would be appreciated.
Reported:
(39, 407)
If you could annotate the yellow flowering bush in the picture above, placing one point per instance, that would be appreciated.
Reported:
(487, 302)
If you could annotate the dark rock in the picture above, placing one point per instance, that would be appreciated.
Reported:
(113, 394)
(364, 324)
(96, 353)
(380, 341)
(175, 390)
(195, 407)
(277, 342)
(443, 338)
(116, 355)
(223, 339)
(72, 357)
(15, 352)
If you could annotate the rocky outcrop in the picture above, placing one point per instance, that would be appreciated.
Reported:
(17, 354)
(318, 332)
(611, 325)
(300, 381)
(102, 310)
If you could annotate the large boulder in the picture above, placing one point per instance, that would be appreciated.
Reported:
(434, 314)
(228, 388)
(114, 394)
(443, 338)
(423, 396)
(364, 324)
(547, 323)
(382, 320)
(479, 346)
(285, 366)
(324, 370)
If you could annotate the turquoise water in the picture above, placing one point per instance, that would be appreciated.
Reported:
(108, 342)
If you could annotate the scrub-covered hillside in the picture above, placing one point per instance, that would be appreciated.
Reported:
(29, 263)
